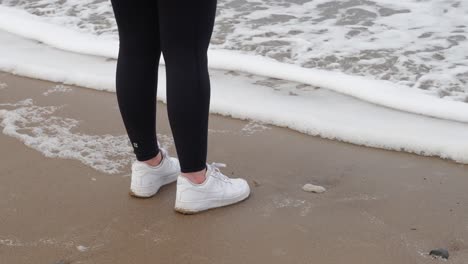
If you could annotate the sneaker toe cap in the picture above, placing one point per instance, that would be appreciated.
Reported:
(241, 186)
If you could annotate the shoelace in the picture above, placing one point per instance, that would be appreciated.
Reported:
(217, 173)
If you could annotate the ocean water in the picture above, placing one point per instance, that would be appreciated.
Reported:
(420, 44)
(261, 100)
(383, 74)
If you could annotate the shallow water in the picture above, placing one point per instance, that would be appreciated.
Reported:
(421, 44)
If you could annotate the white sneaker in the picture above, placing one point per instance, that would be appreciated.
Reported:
(216, 191)
(146, 179)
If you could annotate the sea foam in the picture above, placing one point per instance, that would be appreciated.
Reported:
(40, 128)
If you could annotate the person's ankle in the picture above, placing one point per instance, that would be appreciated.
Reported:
(155, 161)
(197, 177)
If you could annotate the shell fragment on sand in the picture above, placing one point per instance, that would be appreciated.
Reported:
(313, 188)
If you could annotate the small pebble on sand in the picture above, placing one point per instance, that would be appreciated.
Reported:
(440, 253)
(313, 188)
(82, 248)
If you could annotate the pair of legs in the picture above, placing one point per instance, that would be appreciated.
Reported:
(181, 30)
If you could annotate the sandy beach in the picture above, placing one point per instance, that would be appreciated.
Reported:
(380, 206)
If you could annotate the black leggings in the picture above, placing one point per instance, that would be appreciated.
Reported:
(181, 30)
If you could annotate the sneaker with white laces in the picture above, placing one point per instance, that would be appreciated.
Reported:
(216, 191)
(147, 179)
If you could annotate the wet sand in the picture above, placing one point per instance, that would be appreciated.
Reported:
(379, 207)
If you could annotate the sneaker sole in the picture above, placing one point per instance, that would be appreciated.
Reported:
(180, 208)
(150, 191)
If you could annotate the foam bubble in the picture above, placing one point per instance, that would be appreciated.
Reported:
(253, 127)
(59, 88)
